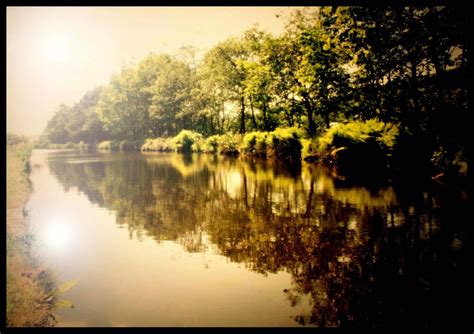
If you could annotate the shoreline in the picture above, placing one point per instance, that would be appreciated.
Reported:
(31, 288)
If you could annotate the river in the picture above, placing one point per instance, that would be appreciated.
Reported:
(161, 239)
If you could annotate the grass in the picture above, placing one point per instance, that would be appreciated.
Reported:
(31, 290)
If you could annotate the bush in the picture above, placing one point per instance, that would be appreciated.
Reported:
(70, 145)
(357, 132)
(42, 142)
(255, 144)
(184, 141)
(13, 139)
(229, 144)
(284, 143)
(198, 145)
(158, 145)
(83, 146)
(211, 144)
(364, 143)
(130, 145)
(108, 145)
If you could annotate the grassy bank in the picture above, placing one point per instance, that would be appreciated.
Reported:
(31, 289)
(353, 147)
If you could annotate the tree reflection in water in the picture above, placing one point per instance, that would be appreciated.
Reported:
(380, 255)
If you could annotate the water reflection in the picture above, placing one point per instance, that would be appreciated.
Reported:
(379, 255)
(57, 233)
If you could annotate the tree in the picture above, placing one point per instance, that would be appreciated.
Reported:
(309, 71)
(171, 108)
(224, 65)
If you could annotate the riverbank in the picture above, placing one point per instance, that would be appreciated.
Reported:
(31, 289)
(353, 148)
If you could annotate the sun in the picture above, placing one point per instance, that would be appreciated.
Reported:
(57, 49)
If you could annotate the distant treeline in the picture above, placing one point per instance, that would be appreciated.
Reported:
(403, 66)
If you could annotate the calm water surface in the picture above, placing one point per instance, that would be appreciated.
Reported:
(173, 240)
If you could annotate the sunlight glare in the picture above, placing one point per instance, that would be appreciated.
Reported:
(57, 233)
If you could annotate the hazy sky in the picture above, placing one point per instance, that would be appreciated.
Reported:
(56, 54)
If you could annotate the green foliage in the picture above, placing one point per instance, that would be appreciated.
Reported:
(130, 145)
(229, 144)
(198, 145)
(185, 140)
(356, 144)
(71, 145)
(77, 123)
(120, 145)
(345, 135)
(42, 142)
(83, 146)
(255, 144)
(211, 144)
(23, 152)
(284, 143)
(13, 139)
(405, 65)
(108, 145)
(158, 145)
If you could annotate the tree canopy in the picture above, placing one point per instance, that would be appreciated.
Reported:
(405, 65)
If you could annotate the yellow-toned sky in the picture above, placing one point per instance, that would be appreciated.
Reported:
(56, 54)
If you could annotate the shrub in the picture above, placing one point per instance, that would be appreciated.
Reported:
(130, 145)
(384, 134)
(198, 145)
(13, 139)
(211, 144)
(284, 143)
(229, 144)
(83, 146)
(358, 142)
(184, 141)
(70, 145)
(158, 144)
(255, 144)
(42, 142)
(108, 145)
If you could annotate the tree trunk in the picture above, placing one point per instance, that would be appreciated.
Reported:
(265, 120)
(326, 119)
(242, 115)
(414, 87)
(254, 121)
(309, 112)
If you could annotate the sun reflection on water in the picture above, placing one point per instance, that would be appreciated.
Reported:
(57, 233)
